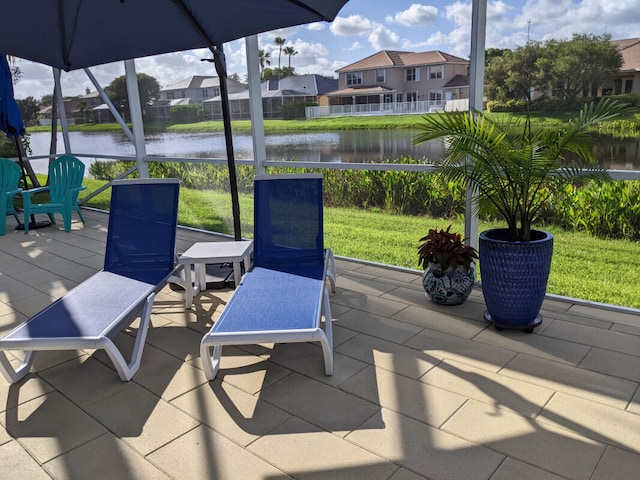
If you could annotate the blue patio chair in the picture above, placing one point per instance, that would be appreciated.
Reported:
(9, 182)
(284, 297)
(66, 174)
(139, 258)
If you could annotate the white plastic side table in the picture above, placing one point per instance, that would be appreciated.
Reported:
(202, 253)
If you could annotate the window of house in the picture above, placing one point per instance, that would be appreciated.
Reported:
(381, 75)
(205, 93)
(436, 72)
(412, 75)
(354, 78)
(411, 96)
(617, 86)
(388, 98)
(628, 86)
(435, 96)
(170, 95)
(183, 94)
(399, 97)
(216, 91)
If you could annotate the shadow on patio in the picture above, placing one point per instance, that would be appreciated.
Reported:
(419, 390)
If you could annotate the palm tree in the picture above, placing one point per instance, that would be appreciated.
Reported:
(264, 59)
(290, 51)
(280, 42)
(514, 166)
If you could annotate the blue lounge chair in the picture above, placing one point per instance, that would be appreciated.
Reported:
(284, 297)
(139, 258)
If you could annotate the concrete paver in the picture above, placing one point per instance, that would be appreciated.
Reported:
(420, 391)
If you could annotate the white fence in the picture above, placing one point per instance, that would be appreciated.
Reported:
(374, 109)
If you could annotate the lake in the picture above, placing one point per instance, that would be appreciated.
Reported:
(352, 146)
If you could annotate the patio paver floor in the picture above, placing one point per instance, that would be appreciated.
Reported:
(419, 390)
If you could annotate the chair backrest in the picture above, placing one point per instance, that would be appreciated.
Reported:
(65, 172)
(9, 175)
(288, 224)
(141, 239)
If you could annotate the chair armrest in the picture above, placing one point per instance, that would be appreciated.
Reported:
(31, 191)
(13, 193)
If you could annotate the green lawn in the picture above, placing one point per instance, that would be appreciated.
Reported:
(583, 267)
(373, 122)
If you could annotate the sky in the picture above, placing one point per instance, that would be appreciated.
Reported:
(364, 27)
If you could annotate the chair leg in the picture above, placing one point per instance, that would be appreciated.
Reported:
(210, 358)
(25, 221)
(125, 370)
(327, 342)
(14, 375)
(80, 214)
(66, 218)
(331, 268)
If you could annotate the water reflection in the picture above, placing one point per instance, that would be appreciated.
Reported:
(357, 146)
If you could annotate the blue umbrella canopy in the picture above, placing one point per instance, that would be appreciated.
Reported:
(73, 34)
(10, 118)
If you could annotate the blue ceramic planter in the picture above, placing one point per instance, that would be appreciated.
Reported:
(514, 277)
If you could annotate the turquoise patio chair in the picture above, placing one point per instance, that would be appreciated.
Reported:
(9, 181)
(65, 183)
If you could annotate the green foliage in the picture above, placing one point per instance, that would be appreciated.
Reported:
(445, 248)
(148, 87)
(291, 111)
(565, 68)
(514, 166)
(186, 113)
(556, 105)
(512, 75)
(568, 68)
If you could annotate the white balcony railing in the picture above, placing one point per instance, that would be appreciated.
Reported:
(374, 109)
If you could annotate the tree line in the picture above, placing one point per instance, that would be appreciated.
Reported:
(565, 69)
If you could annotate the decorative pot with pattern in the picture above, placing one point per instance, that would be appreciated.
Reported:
(450, 286)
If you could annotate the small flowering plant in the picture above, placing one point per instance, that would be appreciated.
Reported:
(446, 249)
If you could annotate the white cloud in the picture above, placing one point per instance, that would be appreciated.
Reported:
(352, 25)
(415, 16)
(354, 46)
(381, 38)
(317, 26)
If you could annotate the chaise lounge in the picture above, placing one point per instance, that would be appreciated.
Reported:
(283, 298)
(139, 258)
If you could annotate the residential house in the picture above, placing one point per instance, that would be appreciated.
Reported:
(627, 80)
(305, 89)
(420, 82)
(72, 109)
(191, 90)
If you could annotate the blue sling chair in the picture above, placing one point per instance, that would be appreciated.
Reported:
(139, 258)
(284, 297)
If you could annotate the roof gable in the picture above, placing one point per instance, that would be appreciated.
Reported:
(393, 58)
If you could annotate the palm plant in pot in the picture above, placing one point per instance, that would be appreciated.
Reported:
(517, 168)
(449, 273)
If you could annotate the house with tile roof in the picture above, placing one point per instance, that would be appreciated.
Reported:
(390, 80)
(627, 79)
